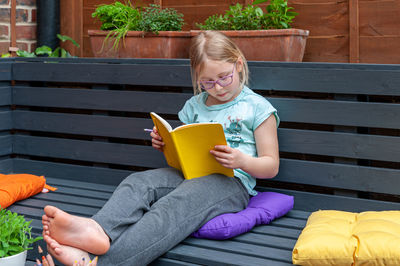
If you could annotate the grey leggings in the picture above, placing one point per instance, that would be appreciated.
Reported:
(152, 211)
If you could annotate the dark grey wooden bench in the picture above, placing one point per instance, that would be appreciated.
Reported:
(80, 123)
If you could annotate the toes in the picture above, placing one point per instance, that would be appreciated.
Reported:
(50, 211)
(45, 218)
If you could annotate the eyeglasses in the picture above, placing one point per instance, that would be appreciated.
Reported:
(223, 82)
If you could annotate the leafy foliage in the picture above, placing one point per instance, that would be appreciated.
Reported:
(47, 51)
(120, 18)
(15, 234)
(252, 17)
(155, 19)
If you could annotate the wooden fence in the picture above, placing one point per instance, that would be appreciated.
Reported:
(364, 31)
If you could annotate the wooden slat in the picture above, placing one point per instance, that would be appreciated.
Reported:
(5, 145)
(343, 113)
(354, 31)
(380, 115)
(130, 101)
(340, 144)
(6, 121)
(337, 175)
(271, 241)
(232, 246)
(6, 166)
(5, 70)
(134, 74)
(94, 125)
(385, 44)
(5, 95)
(74, 174)
(277, 231)
(308, 201)
(317, 78)
(92, 151)
(307, 77)
(211, 257)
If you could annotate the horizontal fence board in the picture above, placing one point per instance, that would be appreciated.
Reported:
(111, 100)
(5, 70)
(335, 175)
(96, 125)
(133, 74)
(6, 166)
(5, 145)
(380, 115)
(371, 147)
(5, 96)
(73, 173)
(369, 80)
(308, 201)
(307, 77)
(6, 122)
(91, 151)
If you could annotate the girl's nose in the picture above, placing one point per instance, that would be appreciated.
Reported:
(217, 87)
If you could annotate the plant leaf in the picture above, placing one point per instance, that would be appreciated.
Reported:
(65, 38)
(43, 50)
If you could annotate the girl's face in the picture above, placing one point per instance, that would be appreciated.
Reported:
(221, 72)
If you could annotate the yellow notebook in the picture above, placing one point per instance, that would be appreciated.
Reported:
(187, 147)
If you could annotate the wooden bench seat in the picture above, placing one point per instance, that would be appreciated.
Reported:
(79, 122)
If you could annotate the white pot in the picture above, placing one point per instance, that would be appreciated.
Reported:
(14, 260)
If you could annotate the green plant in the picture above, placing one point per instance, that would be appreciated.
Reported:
(155, 19)
(47, 51)
(120, 18)
(252, 17)
(15, 234)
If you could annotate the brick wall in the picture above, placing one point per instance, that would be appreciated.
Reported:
(25, 25)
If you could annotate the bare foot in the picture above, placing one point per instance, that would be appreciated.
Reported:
(65, 254)
(74, 231)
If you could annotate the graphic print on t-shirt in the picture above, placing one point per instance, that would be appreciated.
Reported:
(235, 129)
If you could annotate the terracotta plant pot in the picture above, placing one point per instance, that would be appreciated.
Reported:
(269, 45)
(138, 44)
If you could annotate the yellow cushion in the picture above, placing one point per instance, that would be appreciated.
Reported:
(346, 238)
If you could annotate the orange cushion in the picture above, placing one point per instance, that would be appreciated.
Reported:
(19, 186)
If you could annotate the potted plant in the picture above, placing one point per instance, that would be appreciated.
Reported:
(15, 238)
(262, 36)
(141, 32)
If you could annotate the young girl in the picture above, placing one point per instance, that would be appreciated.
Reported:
(152, 211)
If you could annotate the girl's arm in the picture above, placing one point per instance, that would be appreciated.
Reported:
(266, 165)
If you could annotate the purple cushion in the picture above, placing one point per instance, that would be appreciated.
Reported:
(262, 209)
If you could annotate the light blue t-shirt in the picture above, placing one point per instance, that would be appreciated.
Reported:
(239, 118)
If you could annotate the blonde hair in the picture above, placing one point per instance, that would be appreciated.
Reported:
(216, 46)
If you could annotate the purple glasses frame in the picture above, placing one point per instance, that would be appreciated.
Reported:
(205, 85)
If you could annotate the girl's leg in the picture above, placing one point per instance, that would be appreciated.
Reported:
(174, 217)
(129, 202)
(134, 197)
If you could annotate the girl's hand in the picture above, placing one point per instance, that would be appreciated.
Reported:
(156, 140)
(229, 157)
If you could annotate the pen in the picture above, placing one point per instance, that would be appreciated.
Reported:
(148, 130)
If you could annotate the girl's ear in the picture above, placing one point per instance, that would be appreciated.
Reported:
(239, 64)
